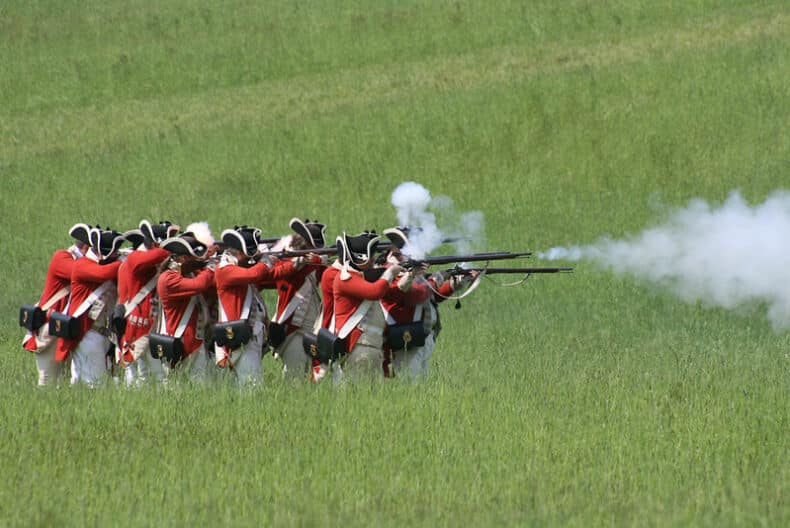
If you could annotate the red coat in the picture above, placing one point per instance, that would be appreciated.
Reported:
(86, 276)
(289, 282)
(134, 273)
(58, 277)
(349, 295)
(444, 291)
(175, 292)
(328, 295)
(401, 305)
(233, 281)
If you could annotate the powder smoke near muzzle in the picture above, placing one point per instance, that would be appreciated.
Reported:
(729, 256)
(417, 209)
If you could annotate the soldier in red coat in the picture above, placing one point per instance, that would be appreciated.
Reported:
(327, 318)
(183, 287)
(55, 296)
(414, 301)
(241, 309)
(405, 312)
(93, 295)
(137, 278)
(298, 299)
(358, 315)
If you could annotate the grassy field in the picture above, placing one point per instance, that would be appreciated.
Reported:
(586, 399)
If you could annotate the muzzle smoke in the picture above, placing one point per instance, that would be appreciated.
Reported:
(730, 256)
(418, 210)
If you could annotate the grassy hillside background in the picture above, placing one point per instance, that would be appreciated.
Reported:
(576, 400)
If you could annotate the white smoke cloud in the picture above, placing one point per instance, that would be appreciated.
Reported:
(730, 256)
(417, 209)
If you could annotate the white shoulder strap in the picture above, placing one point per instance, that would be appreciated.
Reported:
(391, 320)
(355, 318)
(95, 294)
(245, 309)
(300, 295)
(182, 324)
(60, 294)
(142, 294)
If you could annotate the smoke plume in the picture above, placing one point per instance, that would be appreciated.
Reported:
(425, 214)
(728, 256)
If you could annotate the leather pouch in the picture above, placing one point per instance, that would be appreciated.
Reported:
(232, 334)
(63, 325)
(118, 320)
(31, 317)
(165, 348)
(330, 346)
(406, 335)
(276, 334)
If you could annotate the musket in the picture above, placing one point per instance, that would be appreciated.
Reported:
(520, 271)
(456, 259)
(329, 250)
(374, 274)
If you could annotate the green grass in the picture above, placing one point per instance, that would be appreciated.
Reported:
(584, 399)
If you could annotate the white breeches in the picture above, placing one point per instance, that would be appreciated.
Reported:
(193, 368)
(89, 359)
(145, 367)
(246, 360)
(413, 363)
(49, 370)
(363, 362)
(296, 364)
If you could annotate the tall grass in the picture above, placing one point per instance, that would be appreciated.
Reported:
(574, 400)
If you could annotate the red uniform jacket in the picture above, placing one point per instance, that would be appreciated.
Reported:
(401, 305)
(442, 292)
(233, 280)
(58, 276)
(290, 281)
(86, 276)
(328, 295)
(134, 273)
(175, 292)
(349, 294)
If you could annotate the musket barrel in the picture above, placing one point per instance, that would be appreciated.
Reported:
(520, 271)
(474, 257)
(330, 250)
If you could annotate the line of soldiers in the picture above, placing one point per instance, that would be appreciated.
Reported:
(179, 304)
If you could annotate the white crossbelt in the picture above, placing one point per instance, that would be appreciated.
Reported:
(182, 324)
(300, 296)
(142, 294)
(60, 294)
(355, 319)
(95, 294)
(245, 310)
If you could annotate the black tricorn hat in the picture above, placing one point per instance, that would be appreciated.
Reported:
(242, 238)
(357, 250)
(313, 233)
(399, 236)
(81, 232)
(158, 232)
(134, 236)
(105, 242)
(185, 244)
